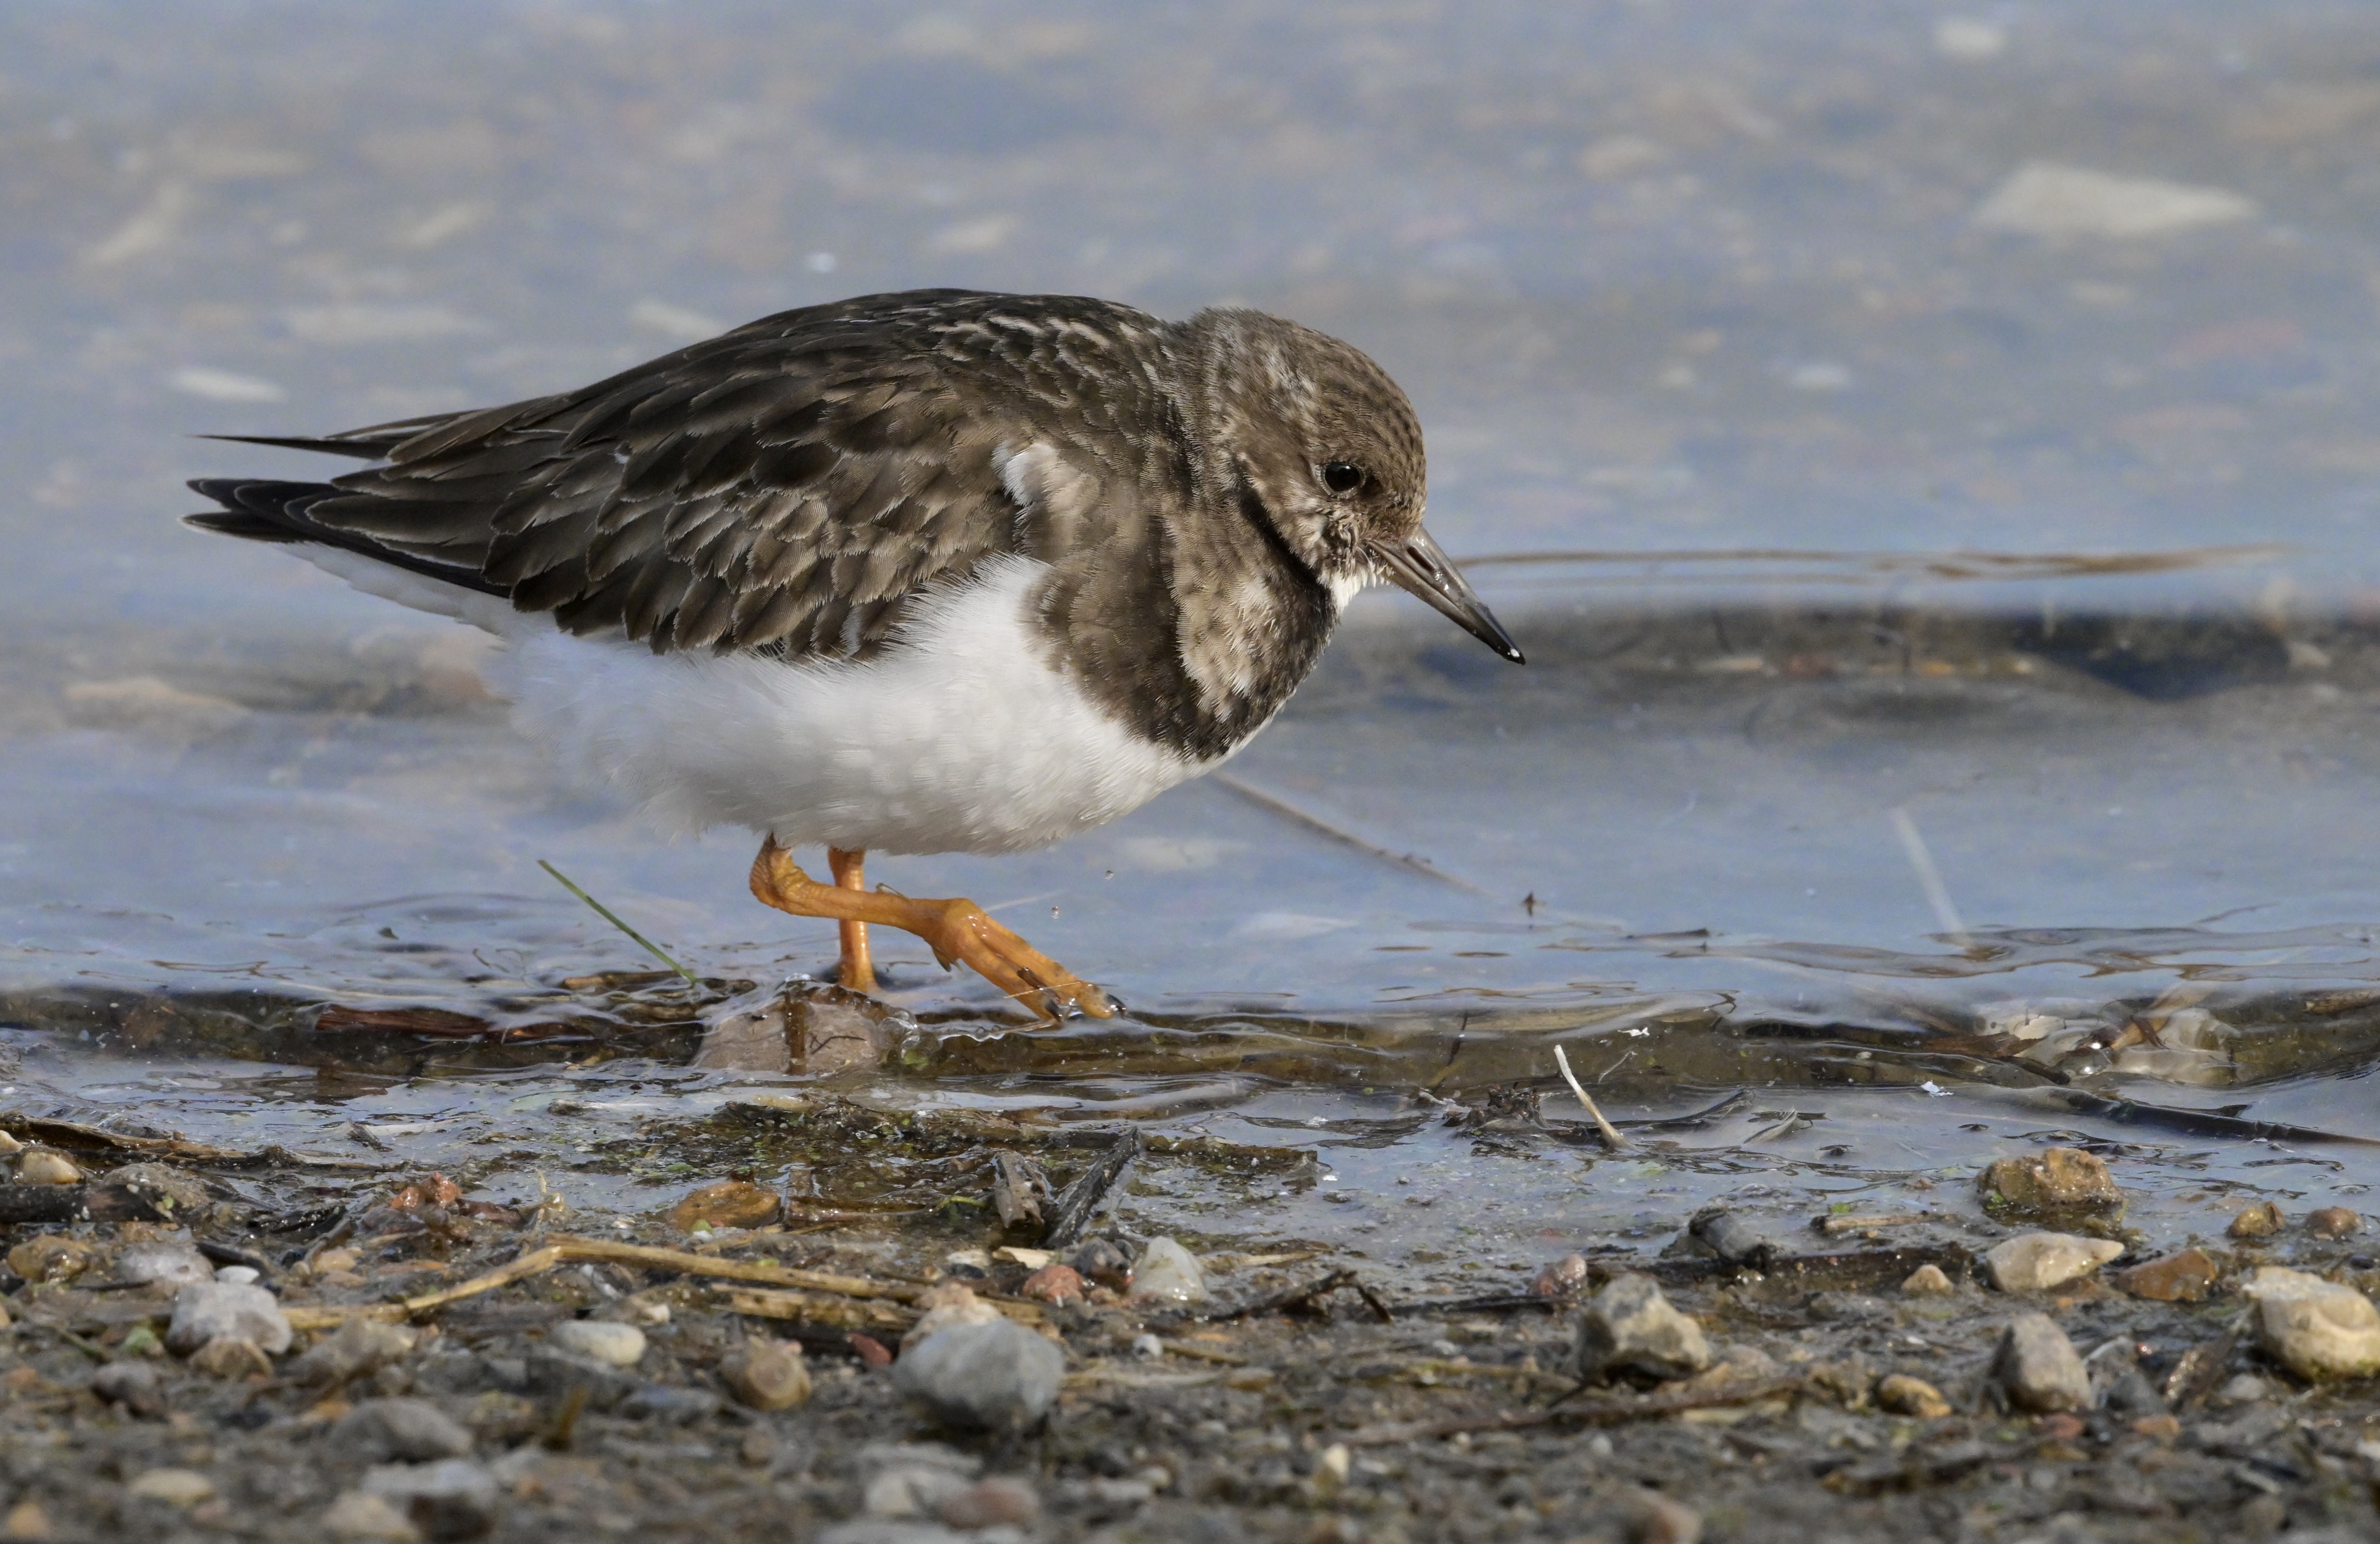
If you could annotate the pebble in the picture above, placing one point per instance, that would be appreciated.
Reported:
(1564, 1278)
(1148, 1348)
(1166, 1272)
(239, 1275)
(1629, 1326)
(44, 1167)
(2037, 1261)
(990, 1504)
(212, 1310)
(170, 1264)
(1730, 1236)
(1100, 1260)
(947, 1305)
(554, 1374)
(51, 1258)
(407, 1430)
(910, 1490)
(182, 1488)
(767, 1375)
(2316, 1329)
(2053, 1182)
(2184, 1276)
(2261, 1221)
(910, 1479)
(1904, 1396)
(991, 1377)
(2333, 1222)
(1053, 1284)
(1926, 1281)
(2048, 200)
(9, 1146)
(599, 1340)
(2038, 1366)
(357, 1346)
(451, 1499)
(731, 1203)
(2241, 1388)
(1654, 1518)
(133, 1385)
(355, 1516)
(231, 1357)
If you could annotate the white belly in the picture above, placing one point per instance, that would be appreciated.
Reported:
(957, 738)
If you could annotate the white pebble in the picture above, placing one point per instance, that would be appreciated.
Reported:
(619, 1345)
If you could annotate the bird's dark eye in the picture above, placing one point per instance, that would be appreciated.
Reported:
(1343, 476)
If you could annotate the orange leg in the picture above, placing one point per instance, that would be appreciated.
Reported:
(858, 970)
(956, 931)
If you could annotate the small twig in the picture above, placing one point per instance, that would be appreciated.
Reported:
(1287, 1297)
(1072, 1212)
(609, 915)
(1611, 1137)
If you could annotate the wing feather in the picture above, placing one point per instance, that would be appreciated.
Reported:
(786, 487)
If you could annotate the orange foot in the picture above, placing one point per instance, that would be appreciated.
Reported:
(956, 931)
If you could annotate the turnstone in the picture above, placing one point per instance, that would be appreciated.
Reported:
(938, 571)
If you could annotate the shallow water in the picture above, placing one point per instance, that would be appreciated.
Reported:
(1950, 637)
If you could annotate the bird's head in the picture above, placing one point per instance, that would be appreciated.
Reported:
(1321, 446)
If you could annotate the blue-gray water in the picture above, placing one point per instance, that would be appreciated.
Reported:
(1831, 359)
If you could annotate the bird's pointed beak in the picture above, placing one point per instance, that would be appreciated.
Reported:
(1417, 565)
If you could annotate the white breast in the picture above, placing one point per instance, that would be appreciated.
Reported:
(959, 738)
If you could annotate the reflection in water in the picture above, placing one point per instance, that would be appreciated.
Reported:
(1702, 569)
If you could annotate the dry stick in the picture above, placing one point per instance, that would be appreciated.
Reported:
(565, 1251)
(606, 913)
(1611, 1137)
(1597, 1413)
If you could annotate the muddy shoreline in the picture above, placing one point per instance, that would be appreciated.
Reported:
(1307, 1393)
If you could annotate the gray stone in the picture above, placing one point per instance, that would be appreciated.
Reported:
(409, 1431)
(619, 1345)
(1629, 1327)
(163, 1264)
(1730, 1236)
(990, 1377)
(2038, 1366)
(357, 1346)
(226, 1310)
(451, 1499)
(133, 1385)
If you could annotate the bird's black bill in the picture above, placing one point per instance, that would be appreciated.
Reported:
(1420, 566)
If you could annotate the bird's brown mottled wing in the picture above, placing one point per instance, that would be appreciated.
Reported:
(783, 487)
